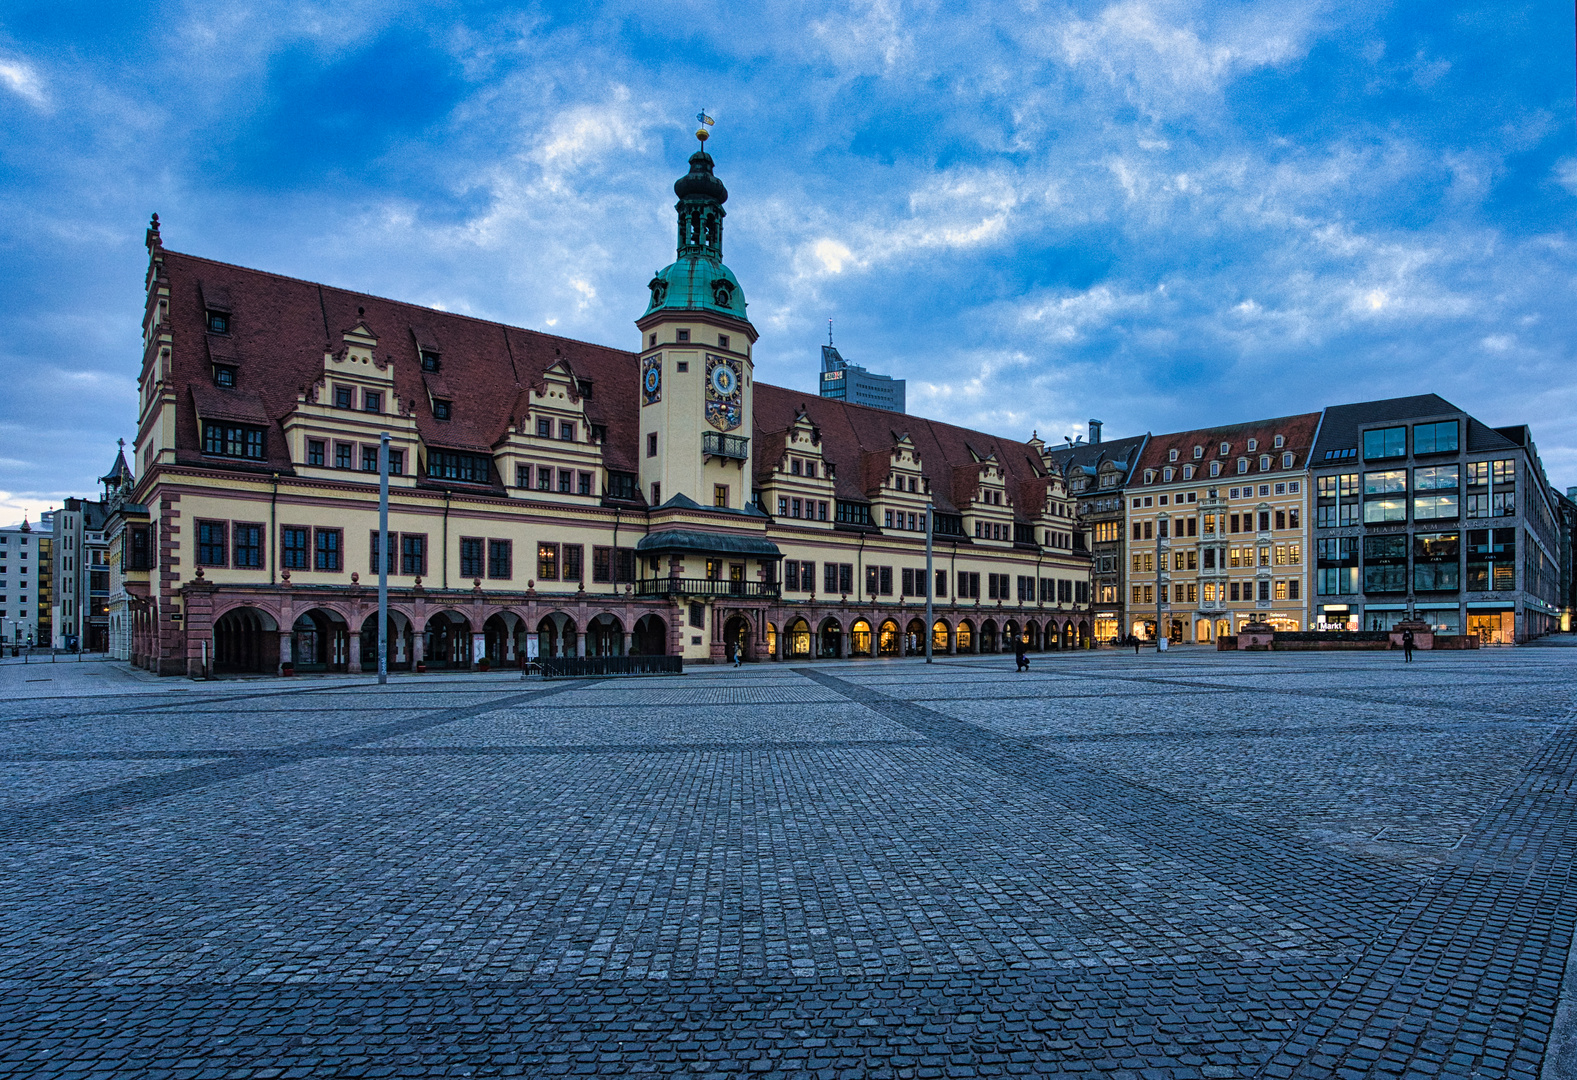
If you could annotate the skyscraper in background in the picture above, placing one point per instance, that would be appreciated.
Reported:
(850, 382)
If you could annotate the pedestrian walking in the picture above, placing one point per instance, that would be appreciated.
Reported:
(1407, 646)
(1021, 654)
(1135, 639)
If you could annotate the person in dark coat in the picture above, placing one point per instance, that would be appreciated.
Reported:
(1135, 639)
(1407, 646)
(1020, 654)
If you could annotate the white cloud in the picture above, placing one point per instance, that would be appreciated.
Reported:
(19, 77)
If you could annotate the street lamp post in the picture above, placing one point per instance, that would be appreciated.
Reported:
(930, 578)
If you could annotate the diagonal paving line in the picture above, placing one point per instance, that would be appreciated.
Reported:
(1466, 982)
(23, 822)
(1347, 900)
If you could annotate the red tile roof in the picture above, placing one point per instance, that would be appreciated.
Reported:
(1298, 432)
(281, 326)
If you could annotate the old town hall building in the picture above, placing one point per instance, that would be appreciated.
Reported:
(656, 501)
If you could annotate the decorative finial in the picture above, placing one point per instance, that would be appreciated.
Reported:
(152, 238)
(122, 444)
(705, 121)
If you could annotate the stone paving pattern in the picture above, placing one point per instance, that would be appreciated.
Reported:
(1178, 866)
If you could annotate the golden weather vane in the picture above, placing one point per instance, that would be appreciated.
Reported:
(705, 121)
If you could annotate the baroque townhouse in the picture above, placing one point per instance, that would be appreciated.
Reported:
(1217, 523)
(656, 501)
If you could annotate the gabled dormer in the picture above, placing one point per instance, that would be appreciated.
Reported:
(799, 485)
(335, 427)
(897, 486)
(980, 491)
(552, 450)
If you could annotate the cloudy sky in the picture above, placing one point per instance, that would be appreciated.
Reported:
(1159, 214)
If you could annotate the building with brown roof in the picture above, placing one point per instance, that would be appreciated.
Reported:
(1217, 523)
(551, 493)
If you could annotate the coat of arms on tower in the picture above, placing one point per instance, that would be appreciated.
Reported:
(652, 379)
(722, 392)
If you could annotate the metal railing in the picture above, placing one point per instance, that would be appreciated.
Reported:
(705, 587)
(575, 667)
(717, 444)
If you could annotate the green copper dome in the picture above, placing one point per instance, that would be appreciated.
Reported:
(697, 280)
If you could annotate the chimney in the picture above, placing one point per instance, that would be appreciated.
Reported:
(1095, 432)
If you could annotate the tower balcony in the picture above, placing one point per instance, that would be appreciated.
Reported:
(717, 444)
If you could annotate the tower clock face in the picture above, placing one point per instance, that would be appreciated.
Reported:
(652, 378)
(723, 399)
(724, 380)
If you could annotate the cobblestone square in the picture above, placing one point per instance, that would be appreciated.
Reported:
(1183, 865)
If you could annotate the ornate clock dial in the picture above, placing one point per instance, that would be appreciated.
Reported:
(722, 380)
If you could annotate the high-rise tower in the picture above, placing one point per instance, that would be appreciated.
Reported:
(696, 371)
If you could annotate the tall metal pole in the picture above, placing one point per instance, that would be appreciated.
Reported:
(930, 578)
(1160, 585)
(383, 559)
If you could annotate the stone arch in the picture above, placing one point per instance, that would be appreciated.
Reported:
(796, 638)
(320, 640)
(557, 635)
(1032, 630)
(246, 641)
(829, 639)
(941, 636)
(965, 636)
(446, 641)
(860, 638)
(650, 636)
(401, 634)
(1010, 635)
(889, 642)
(1084, 634)
(737, 635)
(605, 635)
(1069, 631)
(501, 632)
(914, 638)
(988, 636)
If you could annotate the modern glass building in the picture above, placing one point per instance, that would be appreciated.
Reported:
(850, 382)
(1423, 512)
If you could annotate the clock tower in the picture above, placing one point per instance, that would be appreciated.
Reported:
(696, 372)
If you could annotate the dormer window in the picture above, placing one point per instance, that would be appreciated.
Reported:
(1215, 468)
(371, 402)
(810, 469)
(442, 410)
(1171, 455)
(224, 376)
(1149, 476)
(912, 484)
(1168, 473)
(430, 360)
(566, 430)
(218, 322)
(344, 397)
(1253, 444)
(1199, 452)
(1281, 440)
(583, 387)
(682, 335)
(1286, 461)
(1188, 472)
(1264, 463)
(1226, 448)
(1242, 465)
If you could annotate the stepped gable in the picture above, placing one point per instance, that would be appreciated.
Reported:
(849, 431)
(281, 326)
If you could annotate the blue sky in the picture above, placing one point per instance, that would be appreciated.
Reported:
(1159, 214)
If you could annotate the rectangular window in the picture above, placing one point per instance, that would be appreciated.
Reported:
(500, 559)
(454, 465)
(720, 496)
(233, 440)
(1149, 594)
(328, 549)
(1264, 590)
(248, 546)
(791, 576)
(1281, 590)
(1385, 578)
(1436, 478)
(1384, 509)
(1438, 438)
(314, 451)
(583, 484)
(413, 553)
(371, 402)
(1264, 556)
(574, 555)
(601, 564)
(1437, 576)
(343, 453)
(1235, 588)
(211, 543)
(522, 476)
(544, 478)
(344, 397)
(1264, 521)
(566, 481)
(1385, 443)
(372, 551)
(1281, 519)
(1503, 504)
(1137, 594)
(396, 462)
(293, 547)
(968, 586)
(566, 431)
(1435, 508)
(547, 562)
(470, 556)
(369, 459)
(886, 580)
(544, 427)
(783, 506)
(651, 444)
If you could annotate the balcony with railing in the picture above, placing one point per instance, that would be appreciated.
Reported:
(717, 444)
(750, 590)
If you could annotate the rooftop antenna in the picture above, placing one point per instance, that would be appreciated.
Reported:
(829, 331)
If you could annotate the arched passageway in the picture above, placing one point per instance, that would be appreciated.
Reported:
(830, 640)
(320, 641)
(888, 640)
(605, 636)
(988, 636)
(736, 638)
(796, 639)
(446, 642)
(914, 638)
(940, 635)
(966, 636)
(399, 633)
(556, 636)
(246, 642)
(650, 637)
(860, 638)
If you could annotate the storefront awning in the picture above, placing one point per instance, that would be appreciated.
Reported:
(1436, 607)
